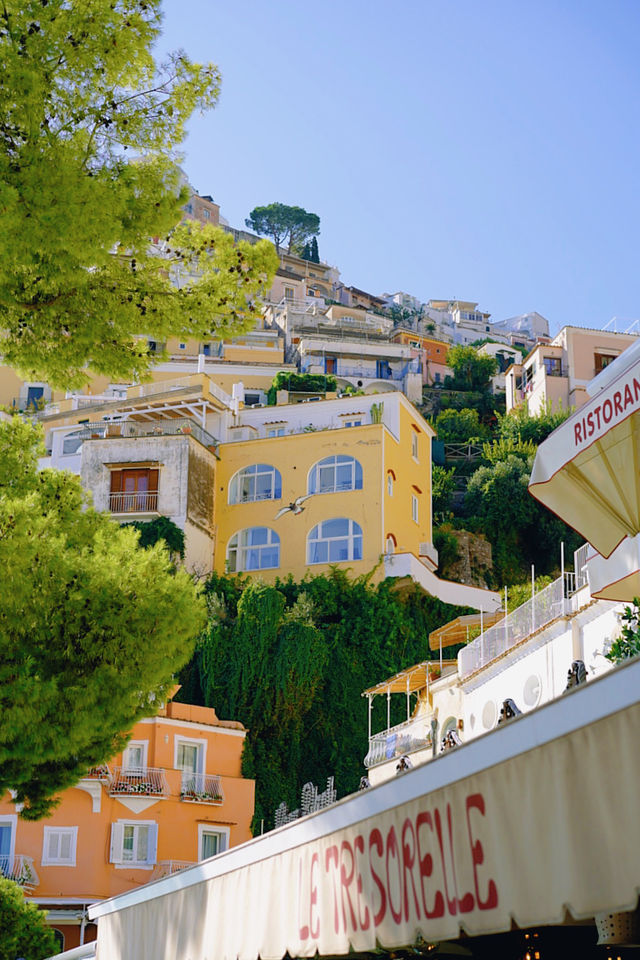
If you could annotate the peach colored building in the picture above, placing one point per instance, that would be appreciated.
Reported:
(175, 796)
(432, 352)
(557, 372)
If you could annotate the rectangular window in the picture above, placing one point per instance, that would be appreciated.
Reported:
(134, 843)
(276, 432)
(134, 491)
(134, 756)
(414, 446)
(602, 360)
(211, 840)
(59, 846)
(553, 366)
(353, 423)
(389, 484)
(414, 508)
(7, 843)
(189, 756)
(288, 293)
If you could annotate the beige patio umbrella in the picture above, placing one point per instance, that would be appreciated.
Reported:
(588, 470)
(618, 576)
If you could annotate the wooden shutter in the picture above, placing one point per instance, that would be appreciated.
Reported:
(153, 481)
(116, 481)
(117, 838)
(152, 847)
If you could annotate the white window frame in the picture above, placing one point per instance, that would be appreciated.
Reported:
(352, 423)
(117, 834)
(414, 446)
(145, 754)
(259, 470)
(389, 484)
(48, 861)
(223, 832)
(198, 742)
(12, 820)
(415, 508)
(350, 537)
(275, 432)
(390, 545)
(333, 462)
(239, 565)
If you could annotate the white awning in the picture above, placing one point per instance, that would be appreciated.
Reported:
(588, 470)
(618, 576)
(519, 825)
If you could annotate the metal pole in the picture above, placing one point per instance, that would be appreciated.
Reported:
(533, 597)
(370, 701)
(481, 636)
(506, 617)
(562, 573)
(388, 708)
(441, 654)
(408, 698)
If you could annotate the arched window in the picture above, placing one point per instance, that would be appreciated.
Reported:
(335, 540)
(256, 548)
(260, 481)
(72, 442)
(391, 543)
(334, 474)
(390, 481)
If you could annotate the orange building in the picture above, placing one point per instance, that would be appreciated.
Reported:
(432, 353)
(176, 795)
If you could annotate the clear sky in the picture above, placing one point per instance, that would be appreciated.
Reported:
(482, 149)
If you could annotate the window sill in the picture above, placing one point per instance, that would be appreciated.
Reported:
(133, 866)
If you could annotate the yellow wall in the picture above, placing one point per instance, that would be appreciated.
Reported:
(409, 473)
(294, 456)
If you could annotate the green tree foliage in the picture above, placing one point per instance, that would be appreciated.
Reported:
(471, 370)
(521, 531)
(291, 225)
(310, 251)
(446, 543)
(23, 930)
(161, 528)
(520, 425)
(291, 661)
(88, 132)
(92, 628)
(459, 426)
(628, 643)
(301, 383)
(508, 447)
(443, 485)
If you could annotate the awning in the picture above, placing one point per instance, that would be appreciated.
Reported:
(411, 679)
(588, 470)
(618, 576)
(457, 631)
(520, 825)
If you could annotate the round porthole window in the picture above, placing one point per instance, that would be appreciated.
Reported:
(532, 690)
(489, 715)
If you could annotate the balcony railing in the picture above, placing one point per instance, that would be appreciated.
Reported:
(125, 429)
(133, 502)
(138, 781)
(20, 869)
(407, 737)
(164, 868)
(201, 788)
(100, 772)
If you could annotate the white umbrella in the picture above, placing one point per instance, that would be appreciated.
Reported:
(618, 576)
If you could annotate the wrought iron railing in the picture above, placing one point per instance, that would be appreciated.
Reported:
(136, 781)
(164, 868)
(20, 869)
(406, 737)
(133, 502)
(201, 788)
(124, 429)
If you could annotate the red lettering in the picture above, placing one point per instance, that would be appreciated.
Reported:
(452, 903)
(426, 870)
(578, 432)
(607, 405)
(476, 802)
(392, 850)
(636, 389)
(313, 899)
(303, 930)
(332, 855)
(597, 416)
(628, 396)
(408, 859)
(375, 840)
(590, 424)
(617, 402)
(346, 883)
(467, 903)
(358, 844)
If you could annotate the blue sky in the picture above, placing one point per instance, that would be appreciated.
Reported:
(480, 149)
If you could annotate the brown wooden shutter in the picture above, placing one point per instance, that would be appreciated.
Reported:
(153, 481)
(116, 481)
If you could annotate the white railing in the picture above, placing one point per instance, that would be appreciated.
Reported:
(165, 868)
(133, 502)
(580, 558)
(201, 788)
(545, 606)
(407, 737)
(20, 869)
(135, 781)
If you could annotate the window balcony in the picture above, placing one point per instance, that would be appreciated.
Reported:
(138, 781)
(201, 788)
(20, 869)
(165, 868)
(138, 502)
(101, 773)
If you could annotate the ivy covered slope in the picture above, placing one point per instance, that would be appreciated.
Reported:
(89, 127)
(92, 627)
(291, 662)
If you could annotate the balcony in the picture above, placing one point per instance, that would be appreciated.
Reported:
(143, 502)
(101, 773)
(137, 782)
(201, 788)
(407, 737)
(20, 869)
(165, 868)
(125, 429)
